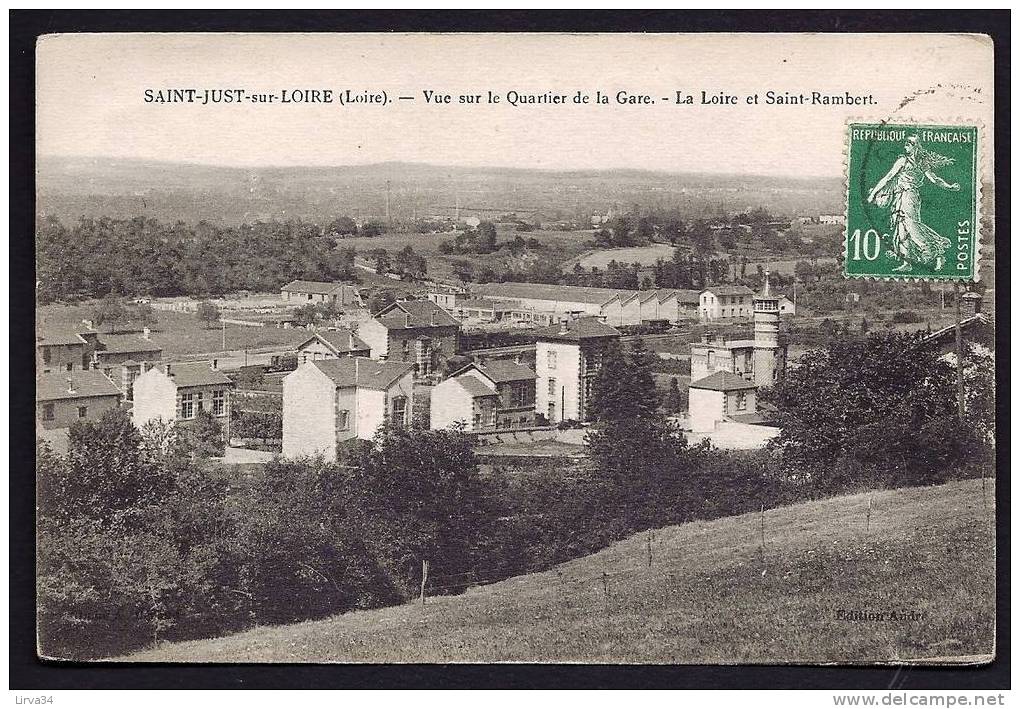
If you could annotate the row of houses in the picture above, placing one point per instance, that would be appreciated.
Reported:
(544, 304)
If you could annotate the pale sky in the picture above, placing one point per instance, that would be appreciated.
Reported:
(91, 89)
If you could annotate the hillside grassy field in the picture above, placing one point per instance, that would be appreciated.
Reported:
(709, 595)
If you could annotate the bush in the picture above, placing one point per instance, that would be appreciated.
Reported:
(906, 316)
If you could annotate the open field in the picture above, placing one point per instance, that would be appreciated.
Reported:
(645, 255)
(709, 596)
(557, 247)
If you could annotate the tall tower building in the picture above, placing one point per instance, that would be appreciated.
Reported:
(769, 354)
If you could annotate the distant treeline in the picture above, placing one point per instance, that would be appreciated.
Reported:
(143, 256)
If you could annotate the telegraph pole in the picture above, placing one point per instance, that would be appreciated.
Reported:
(959, 351)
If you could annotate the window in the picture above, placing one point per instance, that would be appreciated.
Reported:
(198, 398)
(552, 387)
(47, 355)
(187, 406)
(399, 410)
(47, 412)
(219, 402)
(343, 420)
(83, 411)
(550, 358)
(69, 367)
(711, 358)
(741, 401)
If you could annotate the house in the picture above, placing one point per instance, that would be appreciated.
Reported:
(720, 302)
(63, 397)
(498, 395)
(329, 344)
(719, 396)
(123, 358)
(787, 306)
(328, 401)
(568, 356)
(418, 332)
(61, 347)
(338, 295)
(831, 219)
(177, 391)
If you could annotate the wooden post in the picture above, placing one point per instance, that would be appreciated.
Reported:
(649, 548)
(868, 526)
(605, 585)
(763, 530)
(959, 351)
(424, 579)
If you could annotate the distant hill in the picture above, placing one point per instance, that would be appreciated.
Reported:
(708, 596)
(69, 187)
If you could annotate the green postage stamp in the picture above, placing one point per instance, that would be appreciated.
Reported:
(912, 201)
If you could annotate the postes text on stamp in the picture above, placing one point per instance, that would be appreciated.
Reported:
(912, 201)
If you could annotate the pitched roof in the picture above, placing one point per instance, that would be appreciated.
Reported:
(580, 329)
(339, 341)
(60, 334)
(723, 381)
(127, 343)
(84, 383)
(421, 314)
(505, 370)
(729, 290)
(685, 295)
(317, 287)
(475, 386)
(194, 374)
(362, 371)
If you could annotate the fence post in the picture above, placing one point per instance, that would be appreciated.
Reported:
(424, 579)
(649, 548)
(867, 529)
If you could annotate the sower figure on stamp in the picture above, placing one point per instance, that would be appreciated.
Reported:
(914, 242)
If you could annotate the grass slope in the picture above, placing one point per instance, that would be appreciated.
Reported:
(929, 555)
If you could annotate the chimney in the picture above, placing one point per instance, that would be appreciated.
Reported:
(407, 320)
(214, 365)
(88, 324)
(70, 385)
(971, 304)
(435, 317)
(146, 333)
(168, 372)
(564, 329)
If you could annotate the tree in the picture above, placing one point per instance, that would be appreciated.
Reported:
(419, 495)
(636, 452)
(463, 269)
(380, 299)
(854, 387)
(674, 401)
(486, 243)
(204, 436)
(207, 313)
(372, 228)
(342, 226)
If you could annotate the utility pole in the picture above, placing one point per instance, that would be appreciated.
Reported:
(959, 350)
(223, 330)
(388, 222)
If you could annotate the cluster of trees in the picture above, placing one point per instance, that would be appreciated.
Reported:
(483, 240)
(405, 262)
(140, 541)
(142, 256)
(344, 226)
(881, 410)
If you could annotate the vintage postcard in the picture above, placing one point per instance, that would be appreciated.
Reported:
(497, 348)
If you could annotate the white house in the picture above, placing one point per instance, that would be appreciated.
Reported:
(499, 395)
(329, 344)
(721, 302)
(568, 357)
(178, 391)
(327, 401)
(718, 397)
